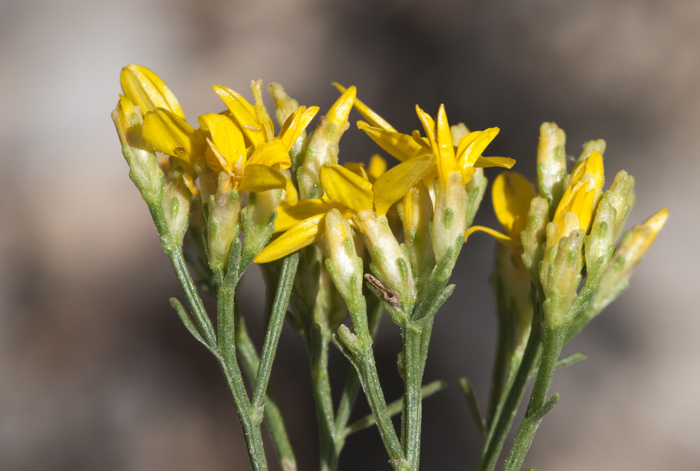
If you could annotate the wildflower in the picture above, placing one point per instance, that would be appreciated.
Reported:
(364, 205)
(511, 195)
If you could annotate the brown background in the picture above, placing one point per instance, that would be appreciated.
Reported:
(97, 374)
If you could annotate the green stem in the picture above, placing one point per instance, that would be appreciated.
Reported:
(377, 404)
(553, 342)
(504, 416)
(246, 414)
(272, 415)
(199, 314)
(274, 327)
(412, 404)
(362, 359)
(352, 382)
(318, 353)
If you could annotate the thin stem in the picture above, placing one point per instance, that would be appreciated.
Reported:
(553, 342)
(318, 352)
(411, 416)
(393, 408)
(503, 419)
(272, 415)
(352, 382)
(274, 327)
(362, 359)
(378, 406)
(199, 314)
(226, 357)
(246, 414)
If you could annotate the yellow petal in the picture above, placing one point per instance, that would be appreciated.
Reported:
(580, 195)
(377, 167)
(511, 194)
(261, 113)
(296, 124)
(401, 146)
(476, 148)
(215, 159)
(395, 183)
(345, 187)
(429, 127)
(486, 162)
(147, 90)
(289, 215)
(339, 112)
(226, 136)
(446, 162)
(170, 134)
(301, 235)
(261, 178)
(502, 238)
(243, 113)
(465, 142)
(373, 118)
(271, 153)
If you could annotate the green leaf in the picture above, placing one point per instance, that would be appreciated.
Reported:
(187, 322)
(473, 405)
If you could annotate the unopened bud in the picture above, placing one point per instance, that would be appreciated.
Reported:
(622, 198)
(600, 242)
(589, 147)
(416, 213)
(222, 226)
(285, 106)
(176, 202)
(389, 260)
(551, 163)
(322, 148)
(343, 264)
(258, 220)
(143, 164)
(626, 258)
(534, 235)
(562, 277)
(475, 193)
(147, 90)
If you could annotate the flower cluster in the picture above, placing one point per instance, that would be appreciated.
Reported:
(348, 239)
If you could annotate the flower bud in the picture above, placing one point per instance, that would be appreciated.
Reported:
(143, 164)
(589, 147)
(322, 148)
(449, 222)
(534, 235)
(343, 264)
(622, 198)
(176, 202)
(551, 163)
(389, 260)
(600, 242)
(475, 193)
(627, 256)
(146, 90)
(561, 278)
(258, 220)
(285, 106)
(222, 226)
(416, 212)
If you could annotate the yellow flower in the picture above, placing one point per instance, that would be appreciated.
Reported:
(240, 143)
(511, 195)
(462, 158)
(346, 191)
(577, 206)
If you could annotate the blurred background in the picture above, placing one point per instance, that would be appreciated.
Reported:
(96, 371)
